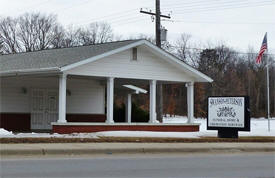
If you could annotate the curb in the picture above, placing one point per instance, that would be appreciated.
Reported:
(30, 140)
(86, 151)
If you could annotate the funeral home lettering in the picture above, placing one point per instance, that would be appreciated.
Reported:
(219, 101)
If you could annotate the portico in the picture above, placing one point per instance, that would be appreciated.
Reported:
(62, 126)
(110, 81)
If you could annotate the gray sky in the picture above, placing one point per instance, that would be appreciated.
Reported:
(237, 23)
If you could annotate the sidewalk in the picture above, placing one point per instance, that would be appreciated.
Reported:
(40, 149)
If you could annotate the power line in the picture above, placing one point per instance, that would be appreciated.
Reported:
(71, 6)
(110, 16)
(129, 22)
(125, 17)
(27, 7)
(128, 19)
(123, 20)
(103, 17)
(202, 49)
(186, 4)
(217, 8)
(200, 2)
(116, 15)
(119, 16)
(219, 22)
(207, 3)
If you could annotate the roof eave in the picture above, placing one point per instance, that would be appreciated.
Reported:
(106, 54)
(30, 71)
(202, 77)
(199, 75)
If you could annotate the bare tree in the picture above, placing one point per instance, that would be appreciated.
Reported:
(104, 32)
(142, 36)
(182, 44)
(1, 46)
(36, 31)
(98, 32)
(187, 50)
(71, 37)
(92, 34)
(8, 36)
(59, 37)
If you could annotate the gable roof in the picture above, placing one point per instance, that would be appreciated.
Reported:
(55, 58)
(63, 59)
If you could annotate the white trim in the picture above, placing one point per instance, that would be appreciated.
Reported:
(110, 100)
(190, 102)
(148, 44)
(189, 68)
(136, 89)
(62, 98)
(153, 93)
(128, 108)
(92, 59)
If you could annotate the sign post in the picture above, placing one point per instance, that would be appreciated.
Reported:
(228, 115)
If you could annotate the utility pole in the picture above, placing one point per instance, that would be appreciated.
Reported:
(158, 40)
(158, 15)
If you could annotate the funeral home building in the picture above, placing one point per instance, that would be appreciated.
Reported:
(72, 89)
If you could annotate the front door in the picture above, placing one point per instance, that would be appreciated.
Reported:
(44, 108)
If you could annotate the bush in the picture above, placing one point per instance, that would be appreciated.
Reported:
(138, 114)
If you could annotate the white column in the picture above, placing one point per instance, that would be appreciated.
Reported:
(110, 100)
(128, 108)
(190, 102)
(153, 101)
(62, 98)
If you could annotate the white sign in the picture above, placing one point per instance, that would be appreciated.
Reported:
(226, 112)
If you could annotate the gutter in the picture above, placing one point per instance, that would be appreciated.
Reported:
(30, 71)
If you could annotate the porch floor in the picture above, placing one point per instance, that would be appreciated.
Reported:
(86, 127)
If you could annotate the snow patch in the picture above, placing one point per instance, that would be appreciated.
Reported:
(4, 132)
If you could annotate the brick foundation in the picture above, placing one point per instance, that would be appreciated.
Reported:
(67, 129)
(15, 121)
(21, 122)
(85, 117)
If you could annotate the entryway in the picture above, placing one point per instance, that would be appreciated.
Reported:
(44, 108)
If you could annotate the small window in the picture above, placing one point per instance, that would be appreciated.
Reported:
(134, 54)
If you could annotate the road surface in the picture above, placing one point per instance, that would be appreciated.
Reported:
(192, 165)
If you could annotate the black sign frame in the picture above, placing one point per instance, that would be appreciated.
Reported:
(246, 115)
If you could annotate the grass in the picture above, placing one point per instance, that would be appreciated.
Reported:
(137, 140)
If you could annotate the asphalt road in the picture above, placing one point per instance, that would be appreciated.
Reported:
(199, 165)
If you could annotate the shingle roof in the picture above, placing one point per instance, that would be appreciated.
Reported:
(56, 57)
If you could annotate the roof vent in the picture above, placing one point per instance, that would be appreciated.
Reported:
(134, 54)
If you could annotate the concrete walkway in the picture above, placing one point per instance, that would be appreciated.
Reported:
(40, 149)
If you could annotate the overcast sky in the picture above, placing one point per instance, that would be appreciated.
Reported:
(237, 23)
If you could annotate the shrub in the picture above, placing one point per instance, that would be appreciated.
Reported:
(138, 114)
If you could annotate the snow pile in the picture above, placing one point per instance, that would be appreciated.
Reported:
(4, 132)
(37, 135)
(148, 134)
(258, 128)
(48, 135)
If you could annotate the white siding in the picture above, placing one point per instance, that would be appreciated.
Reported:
(120, 65)
(87, 96)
